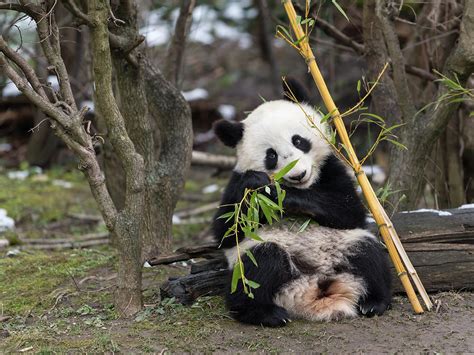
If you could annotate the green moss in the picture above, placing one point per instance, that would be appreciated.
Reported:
(27, 281)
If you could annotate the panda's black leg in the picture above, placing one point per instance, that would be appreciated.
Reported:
(371, 263)
(272, 272)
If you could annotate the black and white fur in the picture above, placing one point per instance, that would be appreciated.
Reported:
(334, 268)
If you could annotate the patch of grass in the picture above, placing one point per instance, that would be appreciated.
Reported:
(27, 280)
(38, 200)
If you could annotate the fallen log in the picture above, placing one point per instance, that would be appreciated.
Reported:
(440, 245)
(85, 241)
(223, 162)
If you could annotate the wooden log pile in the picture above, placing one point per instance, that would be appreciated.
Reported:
(439, 243)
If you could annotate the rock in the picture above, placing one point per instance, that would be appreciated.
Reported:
(12, 253)
(4, 243)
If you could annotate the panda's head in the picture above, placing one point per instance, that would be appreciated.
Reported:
(277, 133)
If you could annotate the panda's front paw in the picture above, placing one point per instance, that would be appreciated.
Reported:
(370, 308)
(255, 179)
(278, 317)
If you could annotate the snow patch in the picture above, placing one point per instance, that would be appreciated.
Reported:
(6, 223)
(88, 103)
(210, 189)
(176, 219)
(195, 94)
(470, 205)
(375, 172)
(62, 183)
(227, 111)
(429, 210)
(18, 175)
(53, 81)
(10, 90)
(206, 26)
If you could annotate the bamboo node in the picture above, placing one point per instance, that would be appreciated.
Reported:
(402, 273)
(309, 59)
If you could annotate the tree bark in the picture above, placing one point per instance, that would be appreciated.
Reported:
(158, 121)
(393, 99)
(128, 222)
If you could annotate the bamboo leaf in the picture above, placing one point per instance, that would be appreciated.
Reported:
(377, 117)
(236, 276)
(285, 31)
(339, 8)
(251, 257)
(398, 144)
(279, 175)
(304, 225)
(279, 195)
(269, 202)
(252, 284)
(252, 235)
(267, 213)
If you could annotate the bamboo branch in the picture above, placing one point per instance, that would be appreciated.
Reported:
(388, 233)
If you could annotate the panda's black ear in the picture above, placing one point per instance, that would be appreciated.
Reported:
(296, 88)
(230, 133)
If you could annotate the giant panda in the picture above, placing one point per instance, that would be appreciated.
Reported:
(332, 269)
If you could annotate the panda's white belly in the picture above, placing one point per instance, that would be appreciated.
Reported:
(320, 250)
(318, 247)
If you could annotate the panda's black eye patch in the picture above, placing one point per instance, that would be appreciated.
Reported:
(271, 159)
(301, 143)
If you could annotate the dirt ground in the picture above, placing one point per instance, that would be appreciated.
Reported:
(78, 316)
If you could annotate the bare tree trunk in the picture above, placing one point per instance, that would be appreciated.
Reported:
(454, 167)
(158, 120)
(265, 41)
(128, 222)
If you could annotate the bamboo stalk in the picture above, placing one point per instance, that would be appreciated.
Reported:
(397, 253)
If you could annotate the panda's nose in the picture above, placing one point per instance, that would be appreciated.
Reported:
(298, 177)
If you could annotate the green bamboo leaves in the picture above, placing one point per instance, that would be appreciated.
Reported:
(258, 205)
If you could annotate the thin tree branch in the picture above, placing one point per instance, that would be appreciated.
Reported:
(421, 73)
(76, 11)
(72, 134)
(340, 36)
(48, 34)
(32, 10)
(331, 31)
(173, 66)
(24, 66)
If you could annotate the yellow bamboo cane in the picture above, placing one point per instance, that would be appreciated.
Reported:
(389, 235)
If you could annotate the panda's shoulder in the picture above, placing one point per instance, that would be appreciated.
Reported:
(333, 171)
